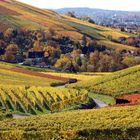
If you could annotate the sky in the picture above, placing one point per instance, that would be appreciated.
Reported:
(127, 5)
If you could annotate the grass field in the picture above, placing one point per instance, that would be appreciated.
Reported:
(104, 30)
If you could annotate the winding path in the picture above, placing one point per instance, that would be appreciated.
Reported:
(17, 116)
(99, 103)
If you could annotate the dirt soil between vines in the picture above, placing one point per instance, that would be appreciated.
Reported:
(133, 99)
(34, 73)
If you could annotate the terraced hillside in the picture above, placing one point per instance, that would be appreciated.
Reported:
(126, 81)
(104, 124)
(16, 14)
(29, 92)
(78, 76)
(8, 77)
(13, 75)
(37, 100)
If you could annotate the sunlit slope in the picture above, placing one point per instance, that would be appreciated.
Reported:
(121, 123)
(9, 77)
(126, 81)
(39, 100)
(16, 14)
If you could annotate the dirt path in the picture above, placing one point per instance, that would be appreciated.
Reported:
(62, 86)
(18, 116)
(99, 103)
(132, 99)
(34, 73)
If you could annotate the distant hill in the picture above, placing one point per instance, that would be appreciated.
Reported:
(19, 15)
(99, 15)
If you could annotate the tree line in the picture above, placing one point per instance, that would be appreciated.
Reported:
(62, 52)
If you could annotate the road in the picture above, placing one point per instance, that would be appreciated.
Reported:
(62, 86)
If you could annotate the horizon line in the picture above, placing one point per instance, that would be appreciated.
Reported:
(92, 8)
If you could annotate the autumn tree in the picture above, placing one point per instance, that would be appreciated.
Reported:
(50, 33)
(10, 33)
(11, 53)
(71, 14)
(51, 54)
(131, 61)
(88, 19)
(37, 46)
(84, 41)
(63, 62)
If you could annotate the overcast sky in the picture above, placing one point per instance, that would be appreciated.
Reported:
(131, 5)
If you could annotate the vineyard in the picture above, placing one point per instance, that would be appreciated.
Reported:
(16, 14)
(5, 115)
(50, 113)
(78, 76)
(10, 74)
(116, 84)
(36, 100)
(118, 123)
(28, 94)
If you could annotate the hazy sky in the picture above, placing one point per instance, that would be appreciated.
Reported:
(133, 5)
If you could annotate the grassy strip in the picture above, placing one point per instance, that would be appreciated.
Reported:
(106, 99)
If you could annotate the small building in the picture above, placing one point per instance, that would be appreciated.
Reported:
(38, 54)
(42, 65)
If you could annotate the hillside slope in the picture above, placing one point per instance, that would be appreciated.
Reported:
(16, 14)
(118, 83)
(104, 124)
(12, 75)
(99, 15)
